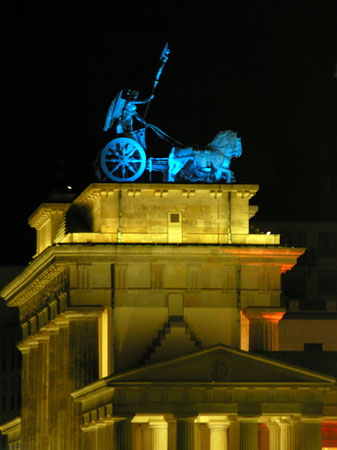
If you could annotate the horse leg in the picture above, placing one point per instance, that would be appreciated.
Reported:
(217, 174)
(171, 165)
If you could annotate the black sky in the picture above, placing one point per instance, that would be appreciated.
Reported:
(268, 73)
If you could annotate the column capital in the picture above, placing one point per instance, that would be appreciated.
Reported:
(251, 419)
(312, 419)
(157, 424)
(284, 421)
(218, 425)
(272, 424)
(268, 313)
(187, 417)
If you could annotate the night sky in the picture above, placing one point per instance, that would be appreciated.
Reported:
(268, 74)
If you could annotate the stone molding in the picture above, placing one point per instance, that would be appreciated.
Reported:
(42, 299)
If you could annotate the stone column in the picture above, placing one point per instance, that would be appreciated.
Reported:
(171, 433)
(185, 433)
(263, 328)
(28, 350)
(146, 433)
(43, 392)
(101, 435)
(158, 435)
(123, 435)
(86, 438)
(285, 435)
(218, 435)
(296, 433)
(274, 436)
(234, 434)
(249, 439)
(89, 437)
(109, 434)
(312, 433)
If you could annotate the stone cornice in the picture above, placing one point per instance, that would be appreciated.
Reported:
(106, 189)
(44, 212)
(244, 252)
(34, 295)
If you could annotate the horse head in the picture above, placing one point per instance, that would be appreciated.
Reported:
(227, 143)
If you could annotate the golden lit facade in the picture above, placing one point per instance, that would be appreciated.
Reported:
(144, 314)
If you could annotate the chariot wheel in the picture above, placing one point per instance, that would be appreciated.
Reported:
(123, 159)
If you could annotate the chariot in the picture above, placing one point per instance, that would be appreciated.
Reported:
(124, 159)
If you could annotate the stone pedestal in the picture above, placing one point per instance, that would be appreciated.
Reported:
(249, 433)
(263, 328)
(185, 433)
(218, 435)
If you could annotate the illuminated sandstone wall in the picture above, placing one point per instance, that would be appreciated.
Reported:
(127, 272)
(110, 213)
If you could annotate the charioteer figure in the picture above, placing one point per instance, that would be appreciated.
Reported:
(124, 111)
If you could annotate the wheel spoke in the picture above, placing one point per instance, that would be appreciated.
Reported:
(131, 169)
(131, 152)
(116, 167)
(112, 160)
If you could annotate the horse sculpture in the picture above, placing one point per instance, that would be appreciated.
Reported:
(208, 164)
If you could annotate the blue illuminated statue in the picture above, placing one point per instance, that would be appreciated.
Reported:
(208, 164)
(124, 159)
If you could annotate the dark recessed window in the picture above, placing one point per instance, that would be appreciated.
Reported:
(293, 239)
(293, 285)
(327, 281)
(174, 218)
(327, 244)
(313, 347)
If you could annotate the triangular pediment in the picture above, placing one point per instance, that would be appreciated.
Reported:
(221, 364)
